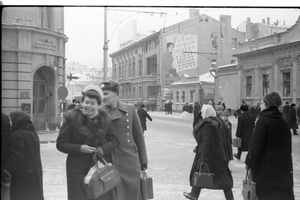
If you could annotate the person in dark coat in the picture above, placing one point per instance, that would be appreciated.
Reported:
(197, 113)
(292, 119)
(84, 133)
(226, 130)
(225, 134)
(170, 107)
(210, 154)
(23, 162)
(185, 108)
(143, 116)
(5, 128)
(130, 158)
(253, 111)
(245, 126)
(298, 114)
(285, 110)
(269, 158)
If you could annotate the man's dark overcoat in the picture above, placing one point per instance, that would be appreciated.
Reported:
(24, 164)
(79, 129)
(285, 111)
(292, 119)
(226, 137)
(210, 151)
(270, 157)
(245, 126)
(143, 118)
(131, 152)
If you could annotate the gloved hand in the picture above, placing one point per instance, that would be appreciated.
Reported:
(100, 152)
(144, 166)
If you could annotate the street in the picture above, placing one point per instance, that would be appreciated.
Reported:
(170, 145)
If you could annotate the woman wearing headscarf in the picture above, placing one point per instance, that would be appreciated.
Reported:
(23, 162)
(83, 133)
(270, 154)
(210, 153)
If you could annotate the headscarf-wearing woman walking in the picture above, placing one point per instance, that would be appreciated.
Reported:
(210, 153)
(23, 162)
(270, 155)
(83, 133)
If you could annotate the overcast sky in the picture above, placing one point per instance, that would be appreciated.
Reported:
(84, 26)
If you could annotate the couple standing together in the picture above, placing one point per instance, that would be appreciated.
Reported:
(109, 128)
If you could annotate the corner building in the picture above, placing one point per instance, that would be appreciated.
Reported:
(33, 62)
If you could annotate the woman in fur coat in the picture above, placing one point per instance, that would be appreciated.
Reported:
(210, 154)
(83, 133)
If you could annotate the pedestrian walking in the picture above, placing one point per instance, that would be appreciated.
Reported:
(23, 166)
(143, 115)
(270, 153)
(170, 108)
(83, 133)
(245, 126)
(285, 110)
(292, 119)
(197, 113)
(298, 114)
(210, 153)
(130, 158)
(226, 131)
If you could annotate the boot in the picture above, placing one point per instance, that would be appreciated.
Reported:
(228, 194)
(194, 194)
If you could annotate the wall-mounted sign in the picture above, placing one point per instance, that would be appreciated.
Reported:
(24, 95)
(45, 44)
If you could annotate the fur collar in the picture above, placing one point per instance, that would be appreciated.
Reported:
(213, 121)
(93, 129)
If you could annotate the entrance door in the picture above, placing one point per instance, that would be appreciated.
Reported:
(39, 105)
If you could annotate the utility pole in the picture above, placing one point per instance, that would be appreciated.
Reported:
(105, 46)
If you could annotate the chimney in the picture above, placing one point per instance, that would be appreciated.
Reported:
(268, 20)
(263, 21)
(248, 28)
(194, 13)
(226, 20)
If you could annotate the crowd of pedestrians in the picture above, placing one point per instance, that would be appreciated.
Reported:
(104, 126)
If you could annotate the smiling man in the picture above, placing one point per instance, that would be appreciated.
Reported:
(130, 157)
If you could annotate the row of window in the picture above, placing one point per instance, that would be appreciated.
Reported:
(126, 93)
(183, 96)
(286, 84)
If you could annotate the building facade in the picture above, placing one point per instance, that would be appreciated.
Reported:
(264, 65)
(135, 67)
(190, 47)
(33, 62)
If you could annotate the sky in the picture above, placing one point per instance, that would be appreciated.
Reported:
(84, 26)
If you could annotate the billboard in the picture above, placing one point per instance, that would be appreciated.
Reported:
(175, 61)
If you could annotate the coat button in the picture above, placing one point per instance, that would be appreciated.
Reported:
(126, 114)
(128, 127)
(128, 120)
(128, 140)
(127, 133)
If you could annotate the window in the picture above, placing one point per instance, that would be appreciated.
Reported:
(140, 68)
(133, 69)
(248, 86)
(45, 17)
(133, 93)
(233, 43)
(183, 96)
(151, 92)
(177, 96)
(129, 95)
(140, 92)
(129, 70)
(191, 96)
(286, 84)
(265, 84)
(120, 72)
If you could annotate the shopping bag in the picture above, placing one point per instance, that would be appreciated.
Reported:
(203, 178)
(237, 142)
(146, 186)
(100, 179)
(249, 188)
(5, 191)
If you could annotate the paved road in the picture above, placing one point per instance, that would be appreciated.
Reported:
(169, 143)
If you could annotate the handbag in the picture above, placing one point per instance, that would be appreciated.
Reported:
(100, 179)
(249, 188)
(203, 179)
(146, 186)
(237, 142)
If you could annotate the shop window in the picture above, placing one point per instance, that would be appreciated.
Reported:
(286, 84)
(248, 86)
